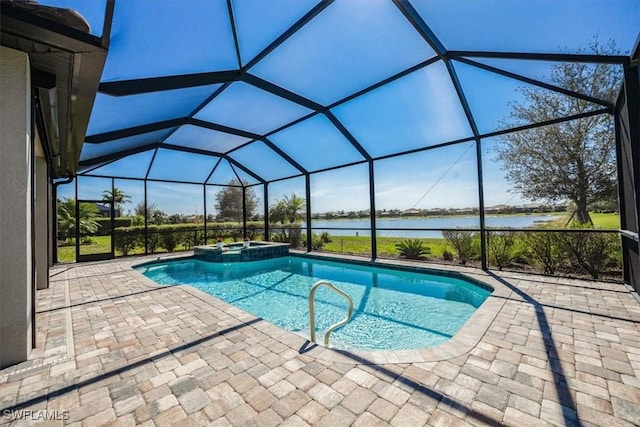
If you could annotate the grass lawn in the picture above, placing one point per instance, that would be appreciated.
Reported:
(386, 245)
(340, 244)
(604, 221)
(99, 245)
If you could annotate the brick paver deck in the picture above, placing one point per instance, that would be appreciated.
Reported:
(115, 349)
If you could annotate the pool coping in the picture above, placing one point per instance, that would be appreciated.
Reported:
(465, 340)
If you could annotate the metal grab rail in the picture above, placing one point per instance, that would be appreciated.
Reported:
(312, 312)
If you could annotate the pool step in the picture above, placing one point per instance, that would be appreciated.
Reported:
(231, 256)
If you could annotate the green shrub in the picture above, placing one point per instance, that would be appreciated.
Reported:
(502, 248)
(591, 252)
(413, 249)
(128, 238)
(464, 242)
(317, 243)
(254, 232)
(447, 255)
(137, 221)
(169, 240)
(291, 233)
(326, 237)
(545, 249)
(154, 239)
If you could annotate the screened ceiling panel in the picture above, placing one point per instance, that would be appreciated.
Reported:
(173, 165)
(418, 110)
(547, 72)
(92, 12)
(143, 34)
(347, 47)
(244, 177)
(134, 166)
(91, 151)
(371, 62)
(549, 26)
(265, 162)
(223, 174)
(492, 97)
(205, 139)
(316, 144)
(242, 106)
(121, 112)
(259, 22)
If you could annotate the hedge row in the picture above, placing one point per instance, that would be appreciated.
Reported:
(104, 224)
(169, 236)
(587, 252)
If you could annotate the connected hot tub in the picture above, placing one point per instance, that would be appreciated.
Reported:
(237, 252)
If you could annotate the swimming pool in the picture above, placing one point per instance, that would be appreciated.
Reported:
(394, 309)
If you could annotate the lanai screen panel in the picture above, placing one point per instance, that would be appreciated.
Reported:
(134, 166)
(496, 100)
(117, 112)
(143, 34)
(259, 23)
(97, 150)
(285, 88)
(415, 111)
(245, 107)
(547, 26)
(344, 49)
(316, 144)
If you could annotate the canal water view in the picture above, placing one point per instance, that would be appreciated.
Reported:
(401, 227)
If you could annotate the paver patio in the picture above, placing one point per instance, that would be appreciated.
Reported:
(115, 349)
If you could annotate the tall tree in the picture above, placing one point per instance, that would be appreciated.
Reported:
(145, 211)
(573, 160)
(118, 197)
(229, 201)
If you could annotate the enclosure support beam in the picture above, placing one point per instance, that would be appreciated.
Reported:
(266, 211)
(77, 213)
(483, 225)
(113, 217)
(372, 213)
(146, 221)
(307, 185)
(204, 199)
(244, 211)
(631, 246)
(620, 160)
(478, 141)
(632, 86)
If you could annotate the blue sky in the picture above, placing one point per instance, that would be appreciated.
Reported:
(368, 41)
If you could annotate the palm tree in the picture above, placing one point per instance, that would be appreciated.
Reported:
(118, 197)
(287, 209)
(67, 218)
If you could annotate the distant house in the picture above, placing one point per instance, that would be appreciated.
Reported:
(412, 212)
(532, 207)
(105, 210)
(464, 211)
(498, 209)
(436, 212)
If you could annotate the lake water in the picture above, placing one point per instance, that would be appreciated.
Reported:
(349, 227)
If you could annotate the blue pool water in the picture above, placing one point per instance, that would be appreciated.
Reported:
(394, 309)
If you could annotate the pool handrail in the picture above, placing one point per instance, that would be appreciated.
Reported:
(312, 313)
